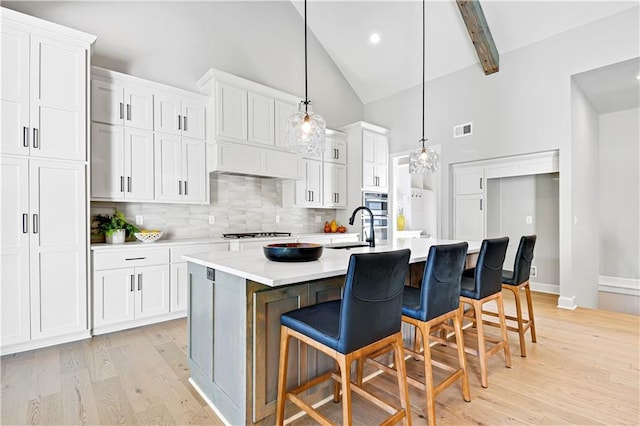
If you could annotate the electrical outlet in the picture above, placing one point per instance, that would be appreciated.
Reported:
(318, 219)
(534, 271)
(529, 220)
(139, 219)
(212, 220)
(277, 219)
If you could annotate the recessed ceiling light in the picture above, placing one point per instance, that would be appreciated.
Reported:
(374, 38)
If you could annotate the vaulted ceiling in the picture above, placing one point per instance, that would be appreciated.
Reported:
(394, 64)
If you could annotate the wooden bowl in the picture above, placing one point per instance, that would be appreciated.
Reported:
(293, 252)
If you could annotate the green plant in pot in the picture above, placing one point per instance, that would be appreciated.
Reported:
(114, 227)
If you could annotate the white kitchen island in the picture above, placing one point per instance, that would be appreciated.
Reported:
(235, 303)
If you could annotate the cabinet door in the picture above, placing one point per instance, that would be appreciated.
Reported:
(58, 248)
(231, 112)
(152, 291)
(113, 296)
(107, 162)
(308, 191)
(335, 150)
(138, 108)
(138, 164)
(283, 111)
(179, 287)
(14, 91)
(194, 173)
(469, 181)
(469, 217)
(168, 163)
(14, 251)
(261, 119)
(368, 161)
(193, 119)
(58, 95)
(335, 185)
(382, 162)
(167, 114)
(107, 102)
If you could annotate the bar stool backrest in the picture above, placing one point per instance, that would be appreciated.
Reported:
(440, 292)
(524, 257)
(488, 275)
(372, 301)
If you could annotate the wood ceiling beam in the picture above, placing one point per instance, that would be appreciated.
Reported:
(480, 34)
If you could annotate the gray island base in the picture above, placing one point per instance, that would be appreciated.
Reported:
(234, 324)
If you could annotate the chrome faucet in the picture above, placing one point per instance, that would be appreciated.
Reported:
(372, 238)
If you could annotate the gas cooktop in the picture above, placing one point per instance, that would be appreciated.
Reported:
(256, 235)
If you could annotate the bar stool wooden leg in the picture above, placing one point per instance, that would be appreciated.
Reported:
(401, 373)
(336, 386)
(521, 330)
(457, 324)
(482, 348)
(282, 374)
(530, 308)
(344, 361)
(503, 328)
(425, 330)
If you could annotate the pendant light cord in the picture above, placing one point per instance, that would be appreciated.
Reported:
(306, 82)
(423, 60)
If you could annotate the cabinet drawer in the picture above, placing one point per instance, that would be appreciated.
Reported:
(130, 258)
(196, 249)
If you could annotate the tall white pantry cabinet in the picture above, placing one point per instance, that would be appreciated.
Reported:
(43, 179)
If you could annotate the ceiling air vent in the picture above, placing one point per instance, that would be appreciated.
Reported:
(463, 130)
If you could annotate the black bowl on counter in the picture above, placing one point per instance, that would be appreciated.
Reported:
(293, 252)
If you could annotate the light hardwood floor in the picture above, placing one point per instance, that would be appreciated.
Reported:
(583, 370)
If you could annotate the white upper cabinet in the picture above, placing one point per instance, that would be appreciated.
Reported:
(375, 168)
(231, 112)
(469, 181)
(283, 111)
(335, 150)
(179, 169)
(178, 116)
(261, 119)
(121, 163)
(43, 96)
(116, 103)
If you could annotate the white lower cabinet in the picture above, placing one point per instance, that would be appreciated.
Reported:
(43, 251)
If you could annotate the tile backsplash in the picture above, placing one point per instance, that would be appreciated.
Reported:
(238, 204)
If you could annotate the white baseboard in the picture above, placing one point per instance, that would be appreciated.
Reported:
(43, 343)
(618, 285)
(544, 287)
(565, 302)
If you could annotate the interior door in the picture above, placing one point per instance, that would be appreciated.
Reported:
(14, 91)
(58, 248)
(14, 251)
(58, 93)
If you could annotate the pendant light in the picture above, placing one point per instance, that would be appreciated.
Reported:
(424, 158)
(305, 129)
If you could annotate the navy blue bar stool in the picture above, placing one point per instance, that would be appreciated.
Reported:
(430, 308)
(367, 319)
(482, 285)
(515, 281)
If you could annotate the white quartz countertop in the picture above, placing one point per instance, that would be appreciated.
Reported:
(253, 265)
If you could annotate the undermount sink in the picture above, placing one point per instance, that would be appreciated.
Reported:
(346, 246)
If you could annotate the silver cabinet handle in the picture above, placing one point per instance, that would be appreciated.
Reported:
(25, 137)
(184, 123)
(133, 278)
(25, 223)
(135, 258)
(480, 203)
(121, 183)
(121, 110)
(480, 183)
(36, 142)
(35, 223)
(128, 183)
(179, 187)
(179, 122)
(129, 112)
(139, 282)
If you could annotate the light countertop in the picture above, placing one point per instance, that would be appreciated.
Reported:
(253, 265)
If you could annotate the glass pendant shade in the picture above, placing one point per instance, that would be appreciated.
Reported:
(305, 131)
(422, 160)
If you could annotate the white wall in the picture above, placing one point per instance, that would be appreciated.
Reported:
(619, 221)
(524, 108)
(177, 42)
